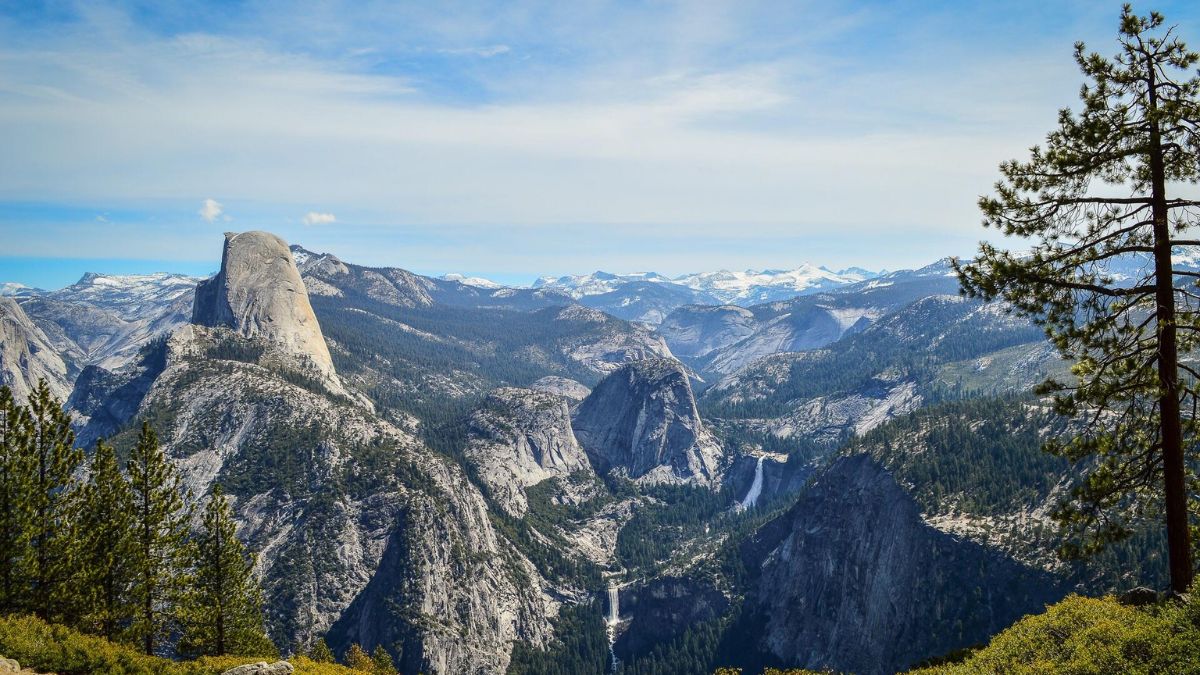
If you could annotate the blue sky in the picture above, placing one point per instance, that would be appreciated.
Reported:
(515, 139)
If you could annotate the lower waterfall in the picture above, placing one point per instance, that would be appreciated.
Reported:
(613, 618)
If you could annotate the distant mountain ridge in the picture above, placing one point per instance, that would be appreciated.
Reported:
(724, 286)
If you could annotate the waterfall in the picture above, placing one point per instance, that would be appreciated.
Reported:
(614, 605)
(614, 617)
(755, 487)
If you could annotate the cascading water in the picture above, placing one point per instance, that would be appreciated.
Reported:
(755, 487)
(614, 617)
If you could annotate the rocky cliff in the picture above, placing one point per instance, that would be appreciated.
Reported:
(852, 579)
(642, 421)
(518, 438)
(26, 355)
(259, 294)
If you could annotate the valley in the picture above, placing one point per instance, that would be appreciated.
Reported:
(480, 478)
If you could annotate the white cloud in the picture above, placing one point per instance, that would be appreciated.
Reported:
(721, 124)
(317, 218)
(211, 210)
(483, 52)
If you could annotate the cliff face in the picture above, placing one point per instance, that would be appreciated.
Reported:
(348, 515)
(852, 579)
(26, 355)
(518, 438)
(642, 420)
(259, 294)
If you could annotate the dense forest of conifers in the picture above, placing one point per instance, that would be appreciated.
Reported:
(121, 553)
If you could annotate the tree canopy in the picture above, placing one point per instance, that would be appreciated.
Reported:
(1099, 203)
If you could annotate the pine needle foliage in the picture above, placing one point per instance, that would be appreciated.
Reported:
(222, 609)
(16, 513)
(55, 457)
(160, 536)
(105, 547)
(1099, 202)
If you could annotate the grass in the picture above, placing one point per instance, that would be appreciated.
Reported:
(51, 648)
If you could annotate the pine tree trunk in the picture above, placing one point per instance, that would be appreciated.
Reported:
(1179, 544)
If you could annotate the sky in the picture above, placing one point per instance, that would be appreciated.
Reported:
(518, 139)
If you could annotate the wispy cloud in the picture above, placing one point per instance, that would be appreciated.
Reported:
(317, 218)
(484, 52)
(773, 121)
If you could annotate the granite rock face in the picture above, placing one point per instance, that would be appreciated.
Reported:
(26, 355)
(572, 390)
(852, 579)
(519, 438)
(259, 294)
(642, 420)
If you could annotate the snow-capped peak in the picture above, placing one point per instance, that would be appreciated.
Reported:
(478, 282)
(767, 285)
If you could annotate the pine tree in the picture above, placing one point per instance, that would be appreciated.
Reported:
(357, 659)
(1095, 198)
(16, 516)
(159, 538)
(106, 548)
(320, 652)
(222, 612)
(52, 502)
(382, 663)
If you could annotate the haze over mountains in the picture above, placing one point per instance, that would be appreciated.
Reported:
(473, 476)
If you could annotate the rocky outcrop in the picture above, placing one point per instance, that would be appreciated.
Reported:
(262, 668)
(259, 294)
(697, 330)
(519, 438)
(354, 521)
(852, 579)
(572, 390)
(642, 421)
(26, 355)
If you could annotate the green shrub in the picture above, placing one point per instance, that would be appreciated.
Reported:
(1087, 635)
(57, 649)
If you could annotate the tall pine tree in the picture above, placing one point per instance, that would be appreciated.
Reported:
(55, 460)
(105, 541)
(1096, 202)
(16, 516)
(159, 541)
(222, 610)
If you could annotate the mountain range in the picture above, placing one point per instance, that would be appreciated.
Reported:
(668, 473)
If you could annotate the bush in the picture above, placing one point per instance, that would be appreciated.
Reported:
(51, 648)
(1089, 635)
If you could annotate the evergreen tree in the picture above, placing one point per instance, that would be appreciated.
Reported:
(105, 546)
(320, 652)
(222, 610)
(159, 538)
(357, 659)
(16, 517)
(1094, 199)
(51, 501)
(382, 663)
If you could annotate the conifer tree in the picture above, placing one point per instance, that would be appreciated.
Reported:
(159, 540)
(51, 501)
(222, 612)
(106, 549)
(16, 517)
(1096, 203)
(358, 659)
(381, 662)
(320, 652)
